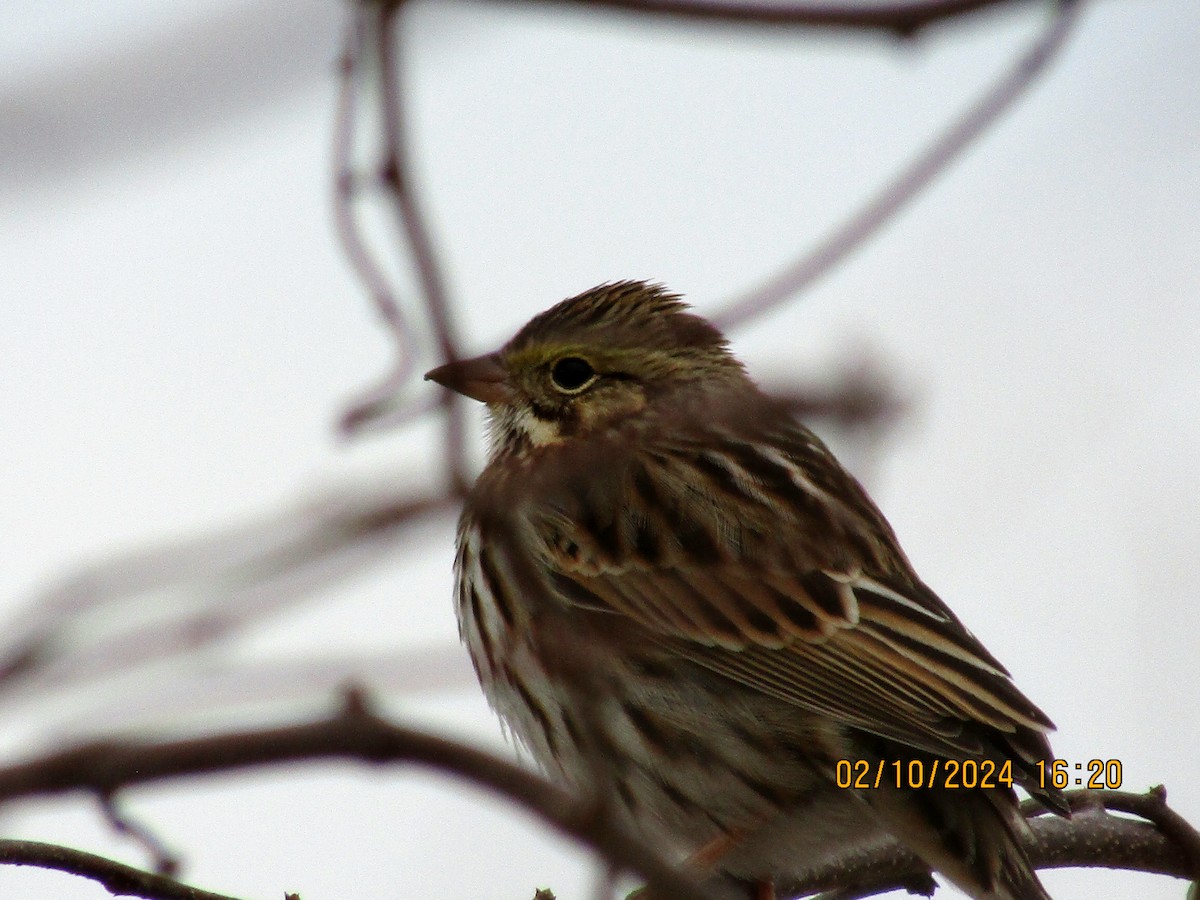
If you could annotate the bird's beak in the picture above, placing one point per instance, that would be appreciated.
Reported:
(482, 378)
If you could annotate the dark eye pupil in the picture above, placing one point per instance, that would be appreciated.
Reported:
(571, 373)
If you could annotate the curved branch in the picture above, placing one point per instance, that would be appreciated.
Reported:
(96, 621)
(1161, 842)
(1151, 806)
(909, 182)
(903, 17)
(398, 181)
(117, 878)
(354, 733)
(350, 236)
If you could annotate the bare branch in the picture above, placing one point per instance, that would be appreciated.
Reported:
(398, 180)
(903, 17)
(354, 733)
(859, 397)
(117, 878)
(1091, 838)
(370, 274)
(111, 616)
(910, 181)
(1162, 842)
(1151, 806)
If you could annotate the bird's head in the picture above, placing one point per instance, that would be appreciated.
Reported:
(593, 361)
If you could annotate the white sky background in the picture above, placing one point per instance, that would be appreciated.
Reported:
(178, 333)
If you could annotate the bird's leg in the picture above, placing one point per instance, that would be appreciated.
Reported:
(707, 856)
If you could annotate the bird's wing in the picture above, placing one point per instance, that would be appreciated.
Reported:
(765, 561)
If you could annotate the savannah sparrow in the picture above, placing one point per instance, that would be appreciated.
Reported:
(668, 584)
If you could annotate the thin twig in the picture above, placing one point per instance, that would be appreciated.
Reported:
(117, 878)
(904, 18)
(398, 180)
(910, 181)
(349, 232)
(163, 860)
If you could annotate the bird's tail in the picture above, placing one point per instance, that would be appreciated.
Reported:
(973, 837)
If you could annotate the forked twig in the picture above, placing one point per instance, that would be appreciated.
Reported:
(398, 179)
(910, 181)
(370, 274)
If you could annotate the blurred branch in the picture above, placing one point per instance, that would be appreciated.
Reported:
(103, 620)
(910, 181)
(117, 878)
(99, 110)
(138, 89)
(272, 682)
(398, 180)
(1159, 841)
(903, 17)
(355, 732)
(860, 397)
(353, 242)
(374, 29)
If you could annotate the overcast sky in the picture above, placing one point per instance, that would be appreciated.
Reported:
(178, 334)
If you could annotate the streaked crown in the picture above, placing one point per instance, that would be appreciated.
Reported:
(631, 315)
(592, 361)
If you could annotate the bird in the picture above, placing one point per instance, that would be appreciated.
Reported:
(675, 596)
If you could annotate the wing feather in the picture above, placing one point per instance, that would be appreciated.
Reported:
(771, 566)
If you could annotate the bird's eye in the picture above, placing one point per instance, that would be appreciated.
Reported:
(572, 374)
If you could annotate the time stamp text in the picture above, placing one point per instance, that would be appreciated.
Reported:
(968, 774)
